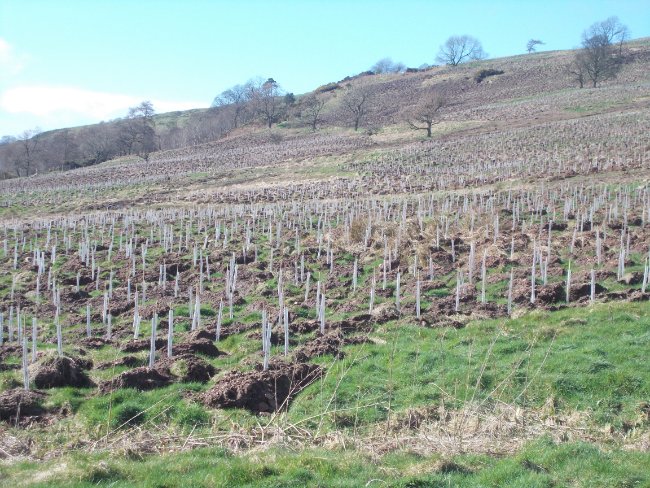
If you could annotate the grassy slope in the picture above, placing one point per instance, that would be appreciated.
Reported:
(589, 361)
(541, 464)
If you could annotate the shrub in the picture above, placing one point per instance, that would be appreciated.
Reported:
(484, 73)
(328, 87)
(127, 413)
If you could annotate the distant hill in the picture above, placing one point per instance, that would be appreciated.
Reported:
(516, 90)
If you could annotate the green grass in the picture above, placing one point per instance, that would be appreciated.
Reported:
(586, 359)
(540, 464)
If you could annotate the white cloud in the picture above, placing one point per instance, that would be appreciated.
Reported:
(66, 101)
(10, 62)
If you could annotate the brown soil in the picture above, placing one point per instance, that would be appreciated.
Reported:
(142, 378)
(304, 327)
(10, 350)
(584, 290)
(94, 342)
(384, 312)
(262, 391)
(544, 294)
(55, 372)
(200, 346)
(331, 342)
(130, 361)
(18, 403)
(186, 368)
(135, 345)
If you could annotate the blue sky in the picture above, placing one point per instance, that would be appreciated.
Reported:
(66, 62)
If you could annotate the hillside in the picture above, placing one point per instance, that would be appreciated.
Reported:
(288, 307)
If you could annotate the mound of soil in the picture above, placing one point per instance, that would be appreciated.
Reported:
(277, 337)
(544, 294)
(135, 345)
(94, 342)
(197, 346)
(329, 343)
(129, 361)
(384, 312)
(197, 342)
(54, 372)
(551, 293)
(186, 368)
(20, 403)
(584, 290)
(304, 327)
(8, 350)
(633, 278)
(142, 378)
(262, 391)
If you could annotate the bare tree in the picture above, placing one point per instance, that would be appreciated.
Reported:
(427, 113)
(28, 142)
(386, 65)
(356, 104)
(7, 140)
(236, 100)
(313, 107)
(596, 61)
(576, 69)
(268, 101)
(62, 148)
(458, 49)
(99, 143)
(530, 45)
(610, 29)
(137, 131)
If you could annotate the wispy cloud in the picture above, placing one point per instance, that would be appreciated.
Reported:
(11, 63)
(66, 101)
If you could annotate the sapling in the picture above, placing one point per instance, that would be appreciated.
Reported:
(170, 332)
(372, 291)
(88, 331)
(196, 319)
(109, 326)
(34, 334)
(25, 368)
(397, 292)
(20, 326)
(59, 335)
(568, 283)
(532, 279)
(152, 344)
(322, 313)
(470, 271)
(459, 276)
(510, 292)
(592, 294)
(286, 331)
(10, 325)
(219, 319)
(483, 275)
(417, 298)
(307, 282)
(266, 340)
(136, 319)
